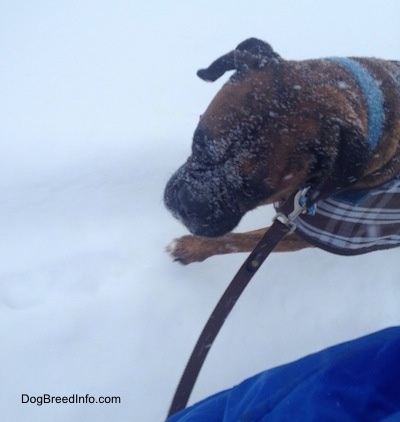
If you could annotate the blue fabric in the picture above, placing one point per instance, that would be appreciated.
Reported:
(352, 197)
(354, 381)
(372, 94)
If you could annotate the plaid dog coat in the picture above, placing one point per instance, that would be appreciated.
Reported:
(354, 223)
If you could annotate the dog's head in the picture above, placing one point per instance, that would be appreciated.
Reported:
(260, 139)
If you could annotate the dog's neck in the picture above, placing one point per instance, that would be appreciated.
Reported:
(372, 94)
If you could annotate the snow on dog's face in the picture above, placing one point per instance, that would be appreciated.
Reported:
(273, 127)
(223, 177)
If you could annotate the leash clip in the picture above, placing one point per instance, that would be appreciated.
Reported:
(299, 207)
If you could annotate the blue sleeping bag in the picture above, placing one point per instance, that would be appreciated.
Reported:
(354, 381)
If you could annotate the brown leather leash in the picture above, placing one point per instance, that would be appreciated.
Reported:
(282, 225)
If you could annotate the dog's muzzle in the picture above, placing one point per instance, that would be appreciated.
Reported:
(204, 201)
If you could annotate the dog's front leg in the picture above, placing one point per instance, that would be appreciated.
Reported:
(190, 248)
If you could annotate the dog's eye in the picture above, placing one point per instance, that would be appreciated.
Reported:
(202, 145)
(207, 150)
(200, 139)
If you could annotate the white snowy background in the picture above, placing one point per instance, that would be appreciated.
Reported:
(98, 103)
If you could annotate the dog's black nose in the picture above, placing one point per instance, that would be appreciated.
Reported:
(189, 205)
(203, 206)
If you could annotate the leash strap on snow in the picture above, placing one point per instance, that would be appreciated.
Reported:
(282, 225)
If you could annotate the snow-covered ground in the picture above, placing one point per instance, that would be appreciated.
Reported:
(98, 103)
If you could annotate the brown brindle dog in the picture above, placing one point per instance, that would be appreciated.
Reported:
(275, 127)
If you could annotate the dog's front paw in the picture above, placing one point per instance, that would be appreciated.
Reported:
(188, 249)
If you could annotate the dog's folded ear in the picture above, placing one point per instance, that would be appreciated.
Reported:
(254, 54)
(249, 54)
(218, 68)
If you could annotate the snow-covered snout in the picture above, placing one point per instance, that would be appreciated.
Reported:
(275, 126)
(225, 175)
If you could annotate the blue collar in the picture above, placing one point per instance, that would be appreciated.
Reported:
(372, 94)
(374, 101)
